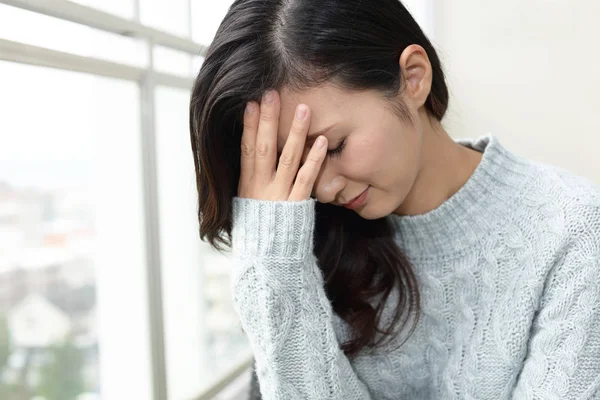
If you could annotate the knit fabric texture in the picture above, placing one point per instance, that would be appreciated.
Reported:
(509, 274)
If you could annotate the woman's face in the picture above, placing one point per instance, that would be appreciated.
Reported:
(377, 149)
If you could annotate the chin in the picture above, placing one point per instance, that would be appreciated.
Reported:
(368, 216)
(375, 210)
(370, 212)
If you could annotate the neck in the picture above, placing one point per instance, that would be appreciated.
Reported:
(497, 188)
(445, 168)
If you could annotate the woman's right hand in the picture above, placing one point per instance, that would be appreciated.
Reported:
(259, 179)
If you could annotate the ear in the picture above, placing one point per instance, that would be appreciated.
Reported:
(416, 72)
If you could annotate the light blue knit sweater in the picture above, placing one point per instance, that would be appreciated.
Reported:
(509, 274)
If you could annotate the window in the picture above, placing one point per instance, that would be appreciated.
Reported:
(123, 8)
(171, 16)
(72, 298)
(79, 200)
(206, 18)
(203, 338)
(173, 61)
(56, 34)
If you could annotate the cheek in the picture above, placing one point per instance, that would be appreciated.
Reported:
(384, 157)
(369, 155)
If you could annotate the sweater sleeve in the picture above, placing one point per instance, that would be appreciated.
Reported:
(279, 296)
(563, 359)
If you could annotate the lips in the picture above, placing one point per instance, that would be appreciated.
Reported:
(354, 199)
(358, 200)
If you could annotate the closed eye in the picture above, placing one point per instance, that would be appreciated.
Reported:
(338, 150)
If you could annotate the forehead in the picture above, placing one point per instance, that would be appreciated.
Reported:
(326, 95)
(328, 105)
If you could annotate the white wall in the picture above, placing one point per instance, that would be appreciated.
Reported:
(528, 72)
(422, 11)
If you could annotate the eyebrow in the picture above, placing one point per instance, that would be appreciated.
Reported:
(312, 137)
(315, 135)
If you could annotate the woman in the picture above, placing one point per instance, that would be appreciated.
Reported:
(374, 256)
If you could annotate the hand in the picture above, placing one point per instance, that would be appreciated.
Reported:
(259, 179)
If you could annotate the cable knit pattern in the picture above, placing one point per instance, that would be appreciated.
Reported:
(509, 273)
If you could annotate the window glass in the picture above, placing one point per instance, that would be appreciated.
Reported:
(73, 311)
(56, 34)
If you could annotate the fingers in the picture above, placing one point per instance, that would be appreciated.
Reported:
(248, 144)
(307, 175)
(259, 153)
(266, 139)
(294, 148)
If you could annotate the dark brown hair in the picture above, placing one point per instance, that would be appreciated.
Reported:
(356, 45)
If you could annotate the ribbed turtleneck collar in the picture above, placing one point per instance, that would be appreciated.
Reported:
(480, 205)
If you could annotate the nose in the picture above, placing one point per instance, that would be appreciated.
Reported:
(329, 182)
(328, 186)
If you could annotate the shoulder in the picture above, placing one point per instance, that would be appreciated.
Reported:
(572, 198)
(562, 211)
(559, 213)
(576, 189)
(570, 207)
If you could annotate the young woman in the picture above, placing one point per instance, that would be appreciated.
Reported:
(375, 257)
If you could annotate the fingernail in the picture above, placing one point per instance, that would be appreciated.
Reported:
(269, 97)
(249, 108)
(321, 142)
(301, 112)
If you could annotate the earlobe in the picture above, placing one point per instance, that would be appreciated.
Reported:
(416, 71)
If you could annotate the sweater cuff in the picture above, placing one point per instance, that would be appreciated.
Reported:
(273, 228)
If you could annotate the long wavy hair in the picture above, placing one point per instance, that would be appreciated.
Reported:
(299, 44)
